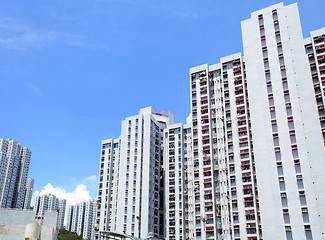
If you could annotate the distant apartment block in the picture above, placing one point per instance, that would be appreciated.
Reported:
(61, 210)
(14, 165)
(130, 192)
(80, 218)
(68, 223)
(28, 193)
(50, 202)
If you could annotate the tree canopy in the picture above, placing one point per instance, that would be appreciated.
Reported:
(67, 235)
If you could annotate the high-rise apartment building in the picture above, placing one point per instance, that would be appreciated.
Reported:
(62, 208)
(74, 219)
(287, 141)
(50, 202)
(47, 202)
(80, 218)
(89, 220)
(68, 223)
(130, 193)
(178, 169)
(14, 165)
(224, 196)
(250, 165)
(254, 122)
(28, 193)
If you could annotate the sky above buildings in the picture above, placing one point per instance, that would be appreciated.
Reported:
(71, 71)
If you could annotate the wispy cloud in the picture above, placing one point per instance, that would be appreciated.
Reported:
(92, 178)
(17, 35)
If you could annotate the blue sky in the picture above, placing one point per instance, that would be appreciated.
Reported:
(71, 71)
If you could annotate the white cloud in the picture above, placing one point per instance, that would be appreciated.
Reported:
(92, 178)
(80, 194)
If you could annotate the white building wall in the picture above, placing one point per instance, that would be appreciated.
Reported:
(287, 143)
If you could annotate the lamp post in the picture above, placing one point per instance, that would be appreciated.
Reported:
(139, 226)
(204, 218)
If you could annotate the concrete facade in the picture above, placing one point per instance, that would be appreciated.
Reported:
(14, 225)
(288, 145)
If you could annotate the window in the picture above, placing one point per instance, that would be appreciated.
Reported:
(260, 20)
(302, 199)
(282, 186)
(284, 202)
(297, 168)
(305, 217)
(264, 54)
(291, 125)
(263, 42)
(289, 111)
(275, 16)
(286, 218)
(278, 38)
(281, 61)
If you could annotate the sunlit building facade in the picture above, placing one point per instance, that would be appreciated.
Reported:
(254, 121)
(249, 163)
(130, 192)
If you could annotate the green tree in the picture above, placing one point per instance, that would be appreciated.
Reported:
(67, 235)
